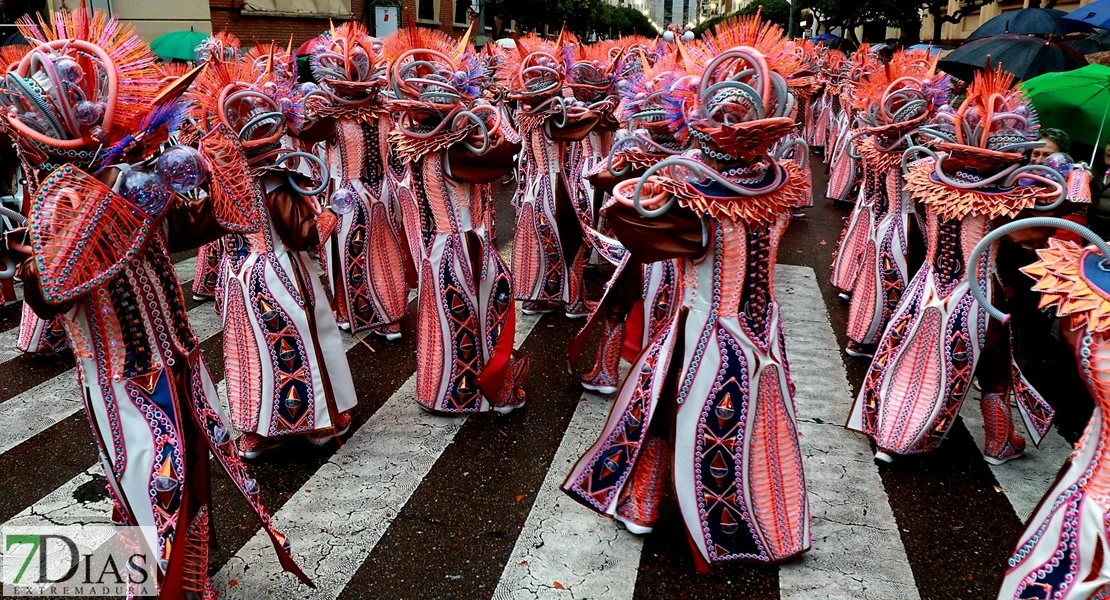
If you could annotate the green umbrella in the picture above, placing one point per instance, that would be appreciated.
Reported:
(1076, 101)
(180, 45)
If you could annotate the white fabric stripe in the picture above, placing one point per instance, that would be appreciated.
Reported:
(1026, 479)
(857, 550)
(337, 518)
(10, 337)
(591, 556)
(25, 415)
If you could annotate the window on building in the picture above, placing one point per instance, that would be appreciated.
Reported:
(427, 10)
(462, 9)
(668, 11)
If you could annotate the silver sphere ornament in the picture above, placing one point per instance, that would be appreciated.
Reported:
(68, 70)
(343, 201)
(146, 190)
(89, 113)
(182, 168)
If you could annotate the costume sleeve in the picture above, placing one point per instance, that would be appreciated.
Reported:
(577, 127)
(487, 167)
(293, 219)
(319, 130)
(28, 273)
(191, 223)
(674, 234)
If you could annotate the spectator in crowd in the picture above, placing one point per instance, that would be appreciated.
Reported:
(1055, 140)
(959, 92)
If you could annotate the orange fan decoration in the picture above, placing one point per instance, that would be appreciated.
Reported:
(82, 233)
(236, 195)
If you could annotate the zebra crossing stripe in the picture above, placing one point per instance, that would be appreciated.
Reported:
(335, 520)
(589, 555)
(857, 550)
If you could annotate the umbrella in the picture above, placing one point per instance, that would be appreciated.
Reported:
(1096, 14)
(15, 39)
(1087, 46)
(1076, 101)
(823, 37)
(837, 43)
(933, 50)
(1024, 56)
(306, 48)
(1029, 21)
(180, 45)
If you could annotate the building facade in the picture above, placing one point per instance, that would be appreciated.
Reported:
(953, 33)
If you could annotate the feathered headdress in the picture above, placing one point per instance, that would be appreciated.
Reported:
(536, 70)
(347, 65)
(269, 58)
(88, 84)
(438, 84)
(993, 126)
(902, 94)
(742, 104)
(253, 104)
(221, 46)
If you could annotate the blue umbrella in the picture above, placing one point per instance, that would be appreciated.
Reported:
(1096, 14)
(933, 50)
(823, 37)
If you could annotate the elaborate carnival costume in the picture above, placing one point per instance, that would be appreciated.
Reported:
(717, 375)
(85, 107)
(287, 374)
(938, 337)
(548, 251)
(364, 258)
(639, 299)
(223, 46)
(844, 168)
(870, 262)
(452, 140)
(1061, 553)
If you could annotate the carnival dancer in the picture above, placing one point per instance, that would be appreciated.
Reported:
(86, 107)
(1060, 553)
(287, 373)
(36, 335)
(223, 46)
(845, 172)
(364, 258)
(639, 299)
(938, 336)
(716, 377)
(870, 263)
(451, 138)
(547, 262)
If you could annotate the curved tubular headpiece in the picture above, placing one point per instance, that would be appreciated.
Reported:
(643, 143)
(483, 129)
(914, 153)
(988, 240)
(109, 77)
(227, 96)
(400, 69)
(9, 268)
(59, 91)
(1045, 176)
(554, 101)
(705, 172)
(850, 148)
(325, 176)
(754, 60)
(802, 150)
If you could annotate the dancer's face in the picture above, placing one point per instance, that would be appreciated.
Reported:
(1040, 154)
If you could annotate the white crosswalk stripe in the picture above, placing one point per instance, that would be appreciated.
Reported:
(338, 516)
(857, 551)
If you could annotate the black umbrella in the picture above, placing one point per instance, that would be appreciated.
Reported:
(839, 43)
(1024, 56)
(1029, 21)
(14, 39)
(1096, 42)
